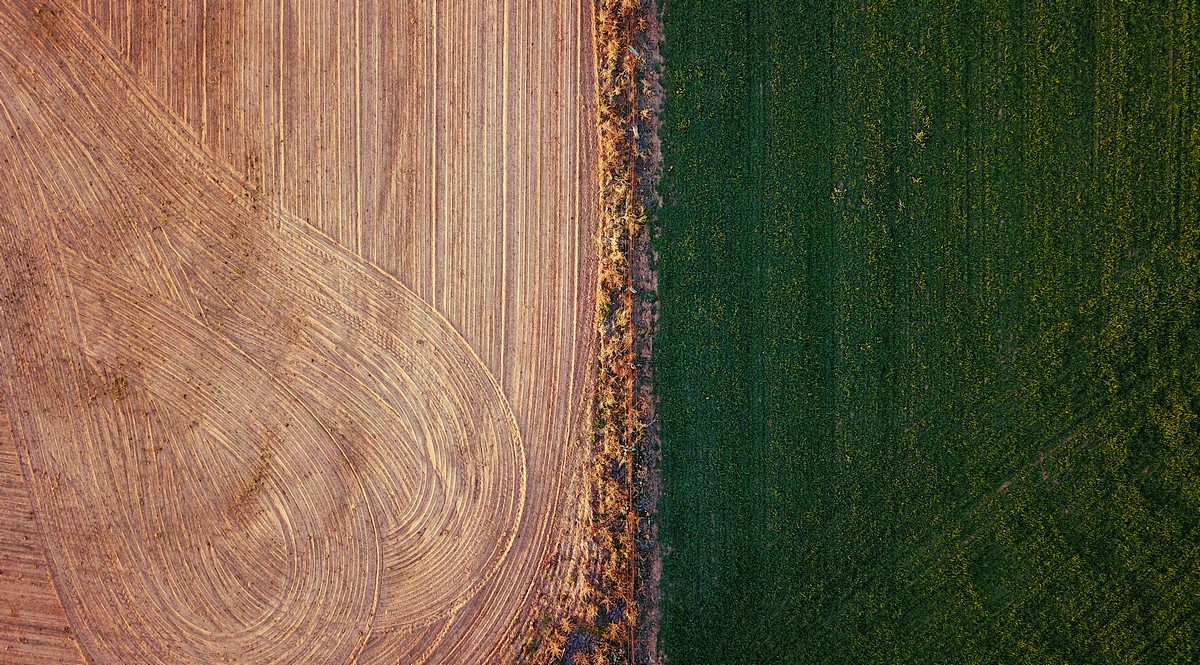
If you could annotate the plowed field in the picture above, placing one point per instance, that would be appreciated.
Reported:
(293, 344)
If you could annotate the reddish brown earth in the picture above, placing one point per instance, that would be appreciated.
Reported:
(295, 334)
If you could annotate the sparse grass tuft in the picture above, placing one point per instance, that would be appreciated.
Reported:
(118, 386)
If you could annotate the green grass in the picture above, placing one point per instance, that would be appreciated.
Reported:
(929, 358)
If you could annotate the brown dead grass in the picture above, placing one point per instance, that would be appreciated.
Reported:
(626, 158)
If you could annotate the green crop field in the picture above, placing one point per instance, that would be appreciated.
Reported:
(929, 355)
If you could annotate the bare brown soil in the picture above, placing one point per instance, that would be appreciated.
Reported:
(647, 479)
(296, 336)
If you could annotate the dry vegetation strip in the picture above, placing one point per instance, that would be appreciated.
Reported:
(625, 152)
(194, 260)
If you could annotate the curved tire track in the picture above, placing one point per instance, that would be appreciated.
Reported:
(243, 441)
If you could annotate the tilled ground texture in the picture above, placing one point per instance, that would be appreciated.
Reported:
(296, 300)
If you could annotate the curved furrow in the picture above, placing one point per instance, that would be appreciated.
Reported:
(245, 442)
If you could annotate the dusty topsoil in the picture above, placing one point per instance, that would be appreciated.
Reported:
(298, 334)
